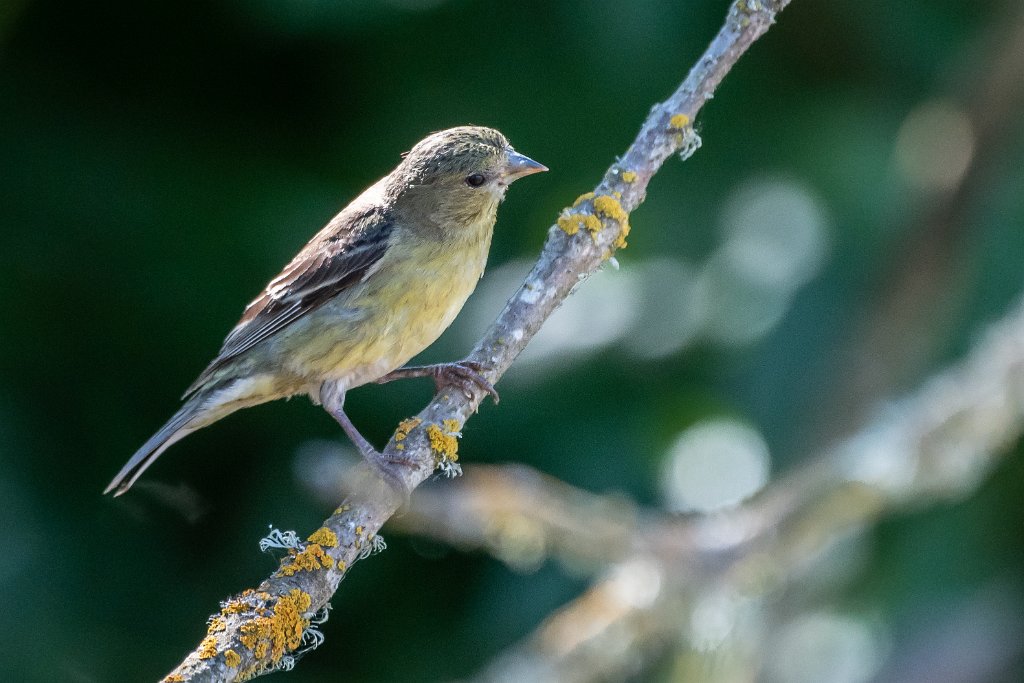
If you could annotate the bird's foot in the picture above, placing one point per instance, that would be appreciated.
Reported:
(391, 469)
(465, 375)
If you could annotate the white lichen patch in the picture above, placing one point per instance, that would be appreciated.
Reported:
(376, 545)
(283, 540)
(448, 468)
(689, 144)
(312, 636)
(529, 295)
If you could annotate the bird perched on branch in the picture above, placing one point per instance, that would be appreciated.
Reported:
(376, 286)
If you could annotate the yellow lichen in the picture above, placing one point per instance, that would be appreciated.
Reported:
(583, 198)
(208, 648)
(605, 205)
(451, 425)
(629, 176)
(232, 658)
(620, 240)
(310, 559)
(406, 426)
(571, 223)
(245, 602)
(324, 537)
(288, 622)
(254, 635)
(679, 121)
(610, 207)
(234, 607)
(282, 631)
(174, 678)
(217, 624)
(445, 445)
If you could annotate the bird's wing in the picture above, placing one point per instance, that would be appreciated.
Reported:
(338, 257)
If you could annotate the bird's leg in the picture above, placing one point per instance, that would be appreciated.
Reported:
(462, 374)
(332, 397)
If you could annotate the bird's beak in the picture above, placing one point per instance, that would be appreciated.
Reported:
(519, 166)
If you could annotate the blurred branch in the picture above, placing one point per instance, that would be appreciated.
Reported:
(522, 516)
(897, 335)
(260, 630)
(938, 443)
(619, 624)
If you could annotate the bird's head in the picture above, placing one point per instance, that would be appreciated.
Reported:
(460, 174)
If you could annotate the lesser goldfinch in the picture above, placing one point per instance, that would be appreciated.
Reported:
(376, 286)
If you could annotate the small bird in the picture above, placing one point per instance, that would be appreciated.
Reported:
(376, 286)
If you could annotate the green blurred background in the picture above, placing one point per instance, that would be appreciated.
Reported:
(160, 161)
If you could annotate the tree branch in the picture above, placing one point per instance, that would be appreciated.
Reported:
(259, 630)
(936, 444)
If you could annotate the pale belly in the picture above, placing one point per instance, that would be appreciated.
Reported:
(354, 341)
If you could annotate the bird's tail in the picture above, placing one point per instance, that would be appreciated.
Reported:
(183, 423)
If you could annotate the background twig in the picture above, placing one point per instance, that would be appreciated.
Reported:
(937, 443)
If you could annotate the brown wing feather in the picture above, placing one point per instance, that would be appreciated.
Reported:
(337, 258)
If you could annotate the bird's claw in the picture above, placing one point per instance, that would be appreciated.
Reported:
(388, 467)
(464, 375)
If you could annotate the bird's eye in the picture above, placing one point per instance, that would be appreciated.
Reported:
(475, 180)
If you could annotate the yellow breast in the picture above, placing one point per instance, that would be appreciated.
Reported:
(411, 296)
